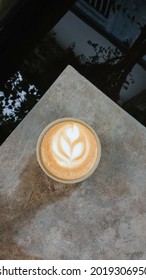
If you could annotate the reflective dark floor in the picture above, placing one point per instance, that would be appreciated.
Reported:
(46, 59)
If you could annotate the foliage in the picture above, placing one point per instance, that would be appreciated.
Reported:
(103, 68)
(17, 97)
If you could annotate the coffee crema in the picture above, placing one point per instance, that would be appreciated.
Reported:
(68, 150)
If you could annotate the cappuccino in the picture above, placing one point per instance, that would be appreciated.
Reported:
(68, 150)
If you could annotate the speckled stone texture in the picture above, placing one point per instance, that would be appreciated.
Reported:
(103, 217)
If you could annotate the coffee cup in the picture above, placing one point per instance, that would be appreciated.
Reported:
(68, 150)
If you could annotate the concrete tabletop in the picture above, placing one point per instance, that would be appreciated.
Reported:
(103, 217)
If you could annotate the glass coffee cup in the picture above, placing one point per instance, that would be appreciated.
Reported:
(68, 150)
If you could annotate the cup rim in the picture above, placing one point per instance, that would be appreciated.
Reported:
(82, 178)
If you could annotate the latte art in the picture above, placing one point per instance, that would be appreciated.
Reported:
(68, 150)
(70, 146)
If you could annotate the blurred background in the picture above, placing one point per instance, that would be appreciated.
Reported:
(105, 40)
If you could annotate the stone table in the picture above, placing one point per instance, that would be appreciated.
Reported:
(103, 217)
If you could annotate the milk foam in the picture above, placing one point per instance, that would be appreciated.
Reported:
(68, 150)
(70, 146)
(73, 133)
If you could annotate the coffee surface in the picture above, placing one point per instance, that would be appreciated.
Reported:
(69, 150)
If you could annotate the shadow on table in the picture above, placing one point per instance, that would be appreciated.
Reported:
(34, 192)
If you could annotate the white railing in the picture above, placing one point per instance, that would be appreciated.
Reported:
(102, 6)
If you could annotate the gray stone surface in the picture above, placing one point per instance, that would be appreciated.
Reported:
(103, 217)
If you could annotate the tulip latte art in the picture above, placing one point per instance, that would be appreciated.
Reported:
(69, 150)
